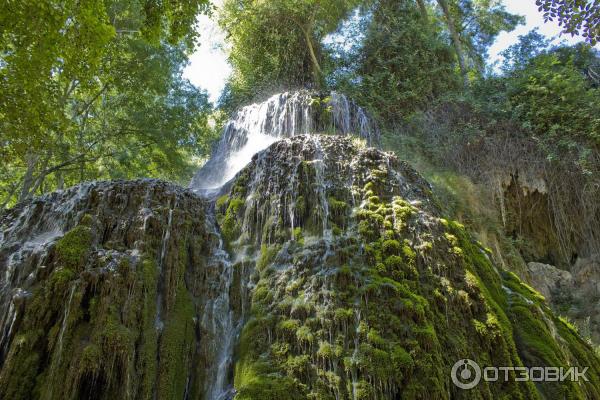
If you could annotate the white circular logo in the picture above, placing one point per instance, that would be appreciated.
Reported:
(466, 374)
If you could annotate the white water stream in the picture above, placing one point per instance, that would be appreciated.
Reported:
(255, 127)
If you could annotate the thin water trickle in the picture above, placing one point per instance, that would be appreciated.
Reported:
(321, 187)
(219, 320)
(158, 322)
(26, 236)
(57, 358)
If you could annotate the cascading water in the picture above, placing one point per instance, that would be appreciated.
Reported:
(219, 320)
(253, 128)
(24, 243)
(30, 232)
(128, 289)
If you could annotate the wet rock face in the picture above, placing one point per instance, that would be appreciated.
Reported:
(323, 271)
(312, 183)
(575, 293)
(100, 289)
(253, 128)
(361, 291)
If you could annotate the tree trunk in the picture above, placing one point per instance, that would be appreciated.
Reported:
(28, 180)
(455, 40)
(423, 9)
(317, 72)
(41, 176)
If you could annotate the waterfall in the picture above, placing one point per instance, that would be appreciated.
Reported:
(219, 320)
(320, 188)
(26, 236)
(253, 128)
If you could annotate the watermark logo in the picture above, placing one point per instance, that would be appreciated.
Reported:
(466, 374)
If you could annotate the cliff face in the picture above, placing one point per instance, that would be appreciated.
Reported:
(323, 270)
(107, 292)
(362, 291)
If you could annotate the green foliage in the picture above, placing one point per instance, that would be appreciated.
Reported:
(537, 118)
(550, 96)
(479, 23)
(93, 90)
(400, 59)
(402, 64)
(277, 44)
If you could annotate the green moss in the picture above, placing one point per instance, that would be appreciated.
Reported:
(408, 253)
(393, 265)
(267, 254)
(176, 346)
(301, 206)
(337, 206)
(373, 200)
(305, 335)
(115, 337)
(86, 220)
(369, 186)
(336, 230)
(255, 377)
(262, 295)
(298, 236)
(59, 280)
(288, 326)
(19, 379)
(222, 202)
(259, 381)
(73, 248)
(512, 281)
(91, 359)
(230, 227)
(391, 247)
(147, 362)
(410, 324)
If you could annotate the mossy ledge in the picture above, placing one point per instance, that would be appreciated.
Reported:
(346, 279)
(363, 291)
(109, 308)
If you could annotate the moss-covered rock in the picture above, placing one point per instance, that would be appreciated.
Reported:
(72, 250)
(106, 312)
(389, 318)
(338, 279)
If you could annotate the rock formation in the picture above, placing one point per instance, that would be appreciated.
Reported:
(323, 270)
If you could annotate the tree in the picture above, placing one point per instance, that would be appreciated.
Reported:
(550, 95)
(519, 54)
(473, 26)
(402, 64)
(278, 43)
(423, 9)
(78, 82)
(456, 41)
(575, 16)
